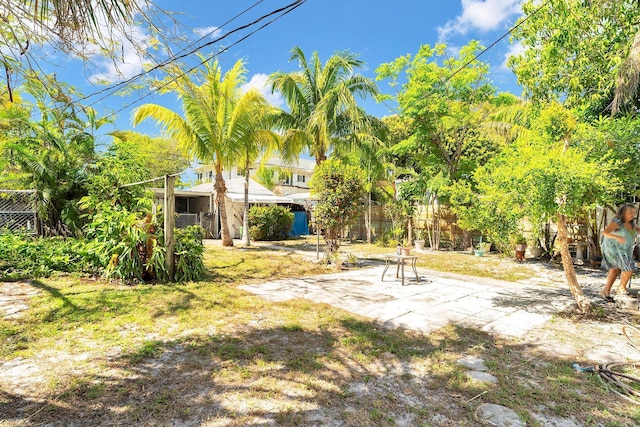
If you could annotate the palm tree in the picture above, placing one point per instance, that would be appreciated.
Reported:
(214, 124)
(322, 102)
(49, 154)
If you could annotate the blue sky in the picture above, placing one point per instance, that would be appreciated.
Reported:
(377, 30)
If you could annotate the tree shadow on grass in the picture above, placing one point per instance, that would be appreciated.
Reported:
(348, 372)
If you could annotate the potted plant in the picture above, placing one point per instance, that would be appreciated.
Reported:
(405, 249)
(481, 248)
(521, 246)
(419, 242)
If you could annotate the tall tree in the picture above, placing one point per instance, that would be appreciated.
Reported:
(322, 102)
(47, 145)
(586, 53)
(547, 174)
(159, 156)
(213, 122)
(445, 99)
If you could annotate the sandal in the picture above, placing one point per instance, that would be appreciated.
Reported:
(607, 298)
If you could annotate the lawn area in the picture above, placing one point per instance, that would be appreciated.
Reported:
(90, 353)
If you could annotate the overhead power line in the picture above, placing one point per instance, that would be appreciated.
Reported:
(187, 52)
(511, 30)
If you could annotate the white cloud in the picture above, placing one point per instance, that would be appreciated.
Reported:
(513, 50)
(259, 81)
(213, 32)
(128, 59)
(480, 15)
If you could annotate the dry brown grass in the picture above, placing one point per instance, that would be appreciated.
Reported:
(91, 353)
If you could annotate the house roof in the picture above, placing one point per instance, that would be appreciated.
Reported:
(235, 191)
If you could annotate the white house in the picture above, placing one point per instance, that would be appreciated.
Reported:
(198, 205)
(294, 180)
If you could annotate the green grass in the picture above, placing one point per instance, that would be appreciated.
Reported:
(161, 354)
(491, 266)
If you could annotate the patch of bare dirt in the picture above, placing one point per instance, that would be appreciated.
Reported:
(279, 377)
(14, 298)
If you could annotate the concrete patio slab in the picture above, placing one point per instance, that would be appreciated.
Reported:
(501, 308)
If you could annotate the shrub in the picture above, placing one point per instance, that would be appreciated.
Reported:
(188, 254)
(27, 256)
(270, 222)
(130, 247)
(119, 245)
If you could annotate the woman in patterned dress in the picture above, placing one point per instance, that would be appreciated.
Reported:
(617, 250)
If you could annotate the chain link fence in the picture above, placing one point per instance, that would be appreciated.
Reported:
(18, 211)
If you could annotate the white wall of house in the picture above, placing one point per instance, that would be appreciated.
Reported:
(296, 182)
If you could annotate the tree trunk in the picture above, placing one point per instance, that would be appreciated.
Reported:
(368, 219)
(332, 244)
(466, 240)
(436, 226)
(221, 189)
(245, 213)
(583, 303)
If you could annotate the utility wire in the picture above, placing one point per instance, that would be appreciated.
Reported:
(175, 58)
(172, 57)
(289, 9)
(511, 30)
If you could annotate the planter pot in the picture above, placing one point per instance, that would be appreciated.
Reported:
(536, 252)
(405, 251)
(478, 252)
(419, 244)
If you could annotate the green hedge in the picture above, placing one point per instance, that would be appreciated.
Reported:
(270, 222)
(134, 256)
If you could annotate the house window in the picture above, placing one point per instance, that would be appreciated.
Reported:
(302, 178)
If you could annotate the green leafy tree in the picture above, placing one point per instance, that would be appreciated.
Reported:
(545, 175)
(339, 191)
(47, 145)
(108, 178)
(445, 100)
(211, 124)
(583, 52)
(322, 102)
(158, 156)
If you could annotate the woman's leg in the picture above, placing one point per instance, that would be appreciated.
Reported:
(611, 277)
(624, 279)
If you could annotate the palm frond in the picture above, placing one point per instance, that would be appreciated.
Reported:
(628, 78)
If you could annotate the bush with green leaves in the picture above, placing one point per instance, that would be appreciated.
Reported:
(130, 247)
(188, 254)
(27, 256)
(340, 193)
(271, 222)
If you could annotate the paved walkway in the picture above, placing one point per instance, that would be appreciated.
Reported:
(508, 309)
